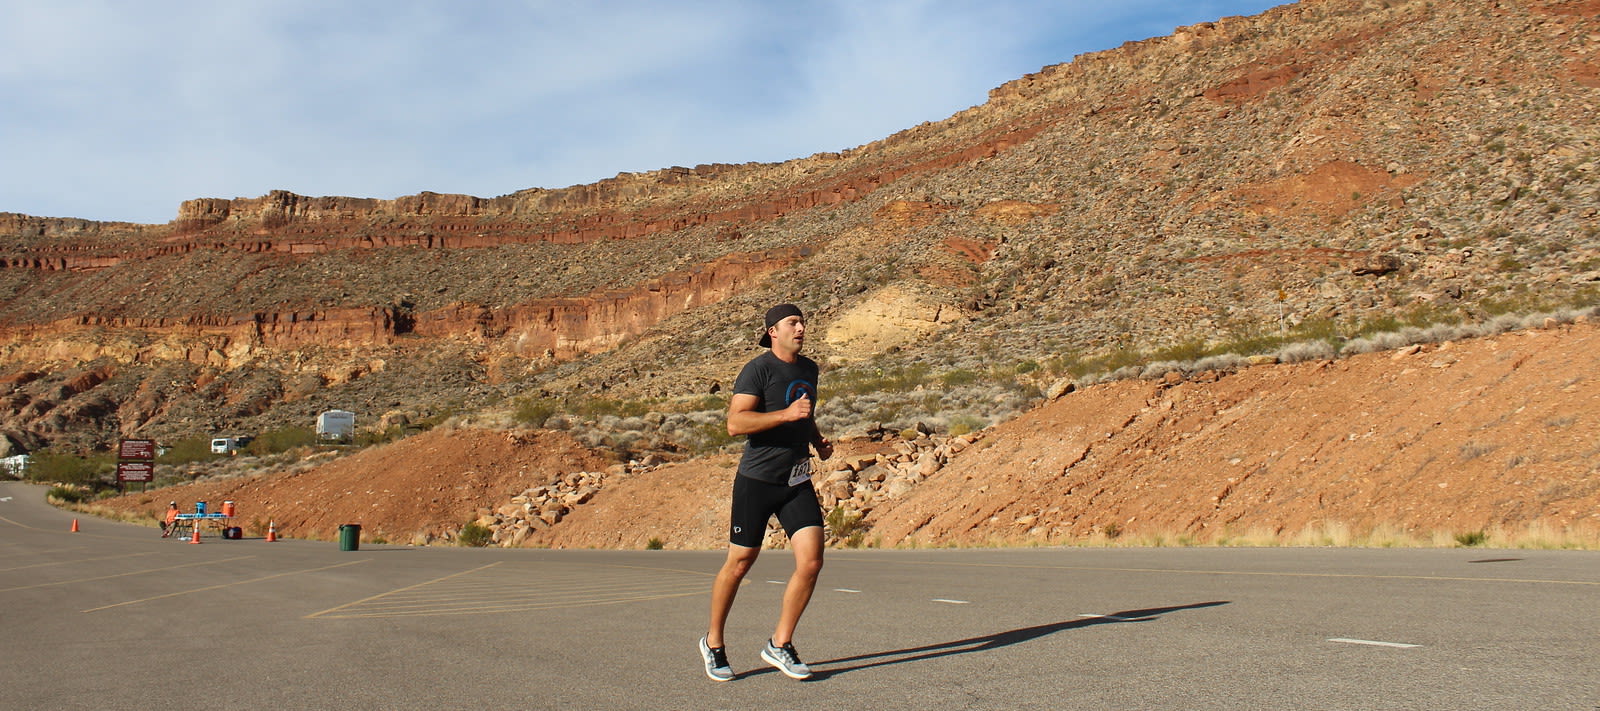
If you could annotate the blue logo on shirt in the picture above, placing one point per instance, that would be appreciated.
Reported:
(798, 388)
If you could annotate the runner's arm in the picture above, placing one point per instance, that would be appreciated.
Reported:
(744, 418)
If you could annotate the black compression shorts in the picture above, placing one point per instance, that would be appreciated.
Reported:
(755, 502)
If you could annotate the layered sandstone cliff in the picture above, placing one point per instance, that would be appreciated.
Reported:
(1310, 172)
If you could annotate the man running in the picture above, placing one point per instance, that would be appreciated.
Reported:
(772, 404)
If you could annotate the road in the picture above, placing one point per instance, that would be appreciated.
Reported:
(114, 617)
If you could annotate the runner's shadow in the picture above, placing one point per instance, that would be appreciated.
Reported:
(993, 641)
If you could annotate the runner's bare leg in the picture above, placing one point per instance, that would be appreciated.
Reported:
(726, 587)
(807, 546)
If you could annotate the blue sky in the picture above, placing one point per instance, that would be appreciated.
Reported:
(113, 110)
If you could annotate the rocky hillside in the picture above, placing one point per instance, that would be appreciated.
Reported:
(1323, 171)
(1491, 436)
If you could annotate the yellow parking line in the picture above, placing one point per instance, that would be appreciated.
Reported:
(542, 586)
(28, 552)
(521, 596)
(68, 562)
(225, 585)
(123, 575)
(20, 525)
(528, 607)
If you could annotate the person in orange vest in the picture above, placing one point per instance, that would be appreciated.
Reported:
(172, 517)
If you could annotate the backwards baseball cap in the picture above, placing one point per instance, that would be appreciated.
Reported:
(774, 315)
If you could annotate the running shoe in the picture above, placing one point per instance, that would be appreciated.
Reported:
(786, 660)
(716, 662)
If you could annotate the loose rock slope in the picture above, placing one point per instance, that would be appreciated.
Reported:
(1494, 435)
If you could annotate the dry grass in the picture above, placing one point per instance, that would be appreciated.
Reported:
(1323, 534)
(106, 512)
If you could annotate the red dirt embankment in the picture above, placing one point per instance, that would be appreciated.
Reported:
(1489, 433)
(1499, 433)
(432, 483)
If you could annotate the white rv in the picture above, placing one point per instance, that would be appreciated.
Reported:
(16, 465)
(338, 425)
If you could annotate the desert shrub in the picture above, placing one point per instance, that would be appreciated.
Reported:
(282, 440)
(369, 438)
(46, 465)
(1160, 368)
(1192, 349)
(1315, 329)
(846, 527)
(67, 494)
(1124, 357)
(959, 377)
(1309, 351)
(654, 544)
(1222, 361)
(707, 436)
(594, 408)
(1471, 538)
(1473, 450)
(439, 417)
(184, 451)
(535, 411)
(1378, 324)
(883, 378)
(962, 424)
(718, 402)
(474, 535)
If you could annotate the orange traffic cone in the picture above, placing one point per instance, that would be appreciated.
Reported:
(74, 525)
(272, 531)
(196, 538)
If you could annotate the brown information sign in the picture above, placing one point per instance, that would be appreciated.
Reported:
(141, 450)
(136, 471)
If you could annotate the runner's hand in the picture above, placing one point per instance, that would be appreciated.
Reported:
(800, 409)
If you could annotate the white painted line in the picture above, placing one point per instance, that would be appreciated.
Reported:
(845, 590)
(778, 582)
(1110, 617)
(1371, 643)
(951, 602)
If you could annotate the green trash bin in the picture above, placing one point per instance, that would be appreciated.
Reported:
(350, 537)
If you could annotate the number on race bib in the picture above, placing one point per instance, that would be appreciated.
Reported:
(800, 473)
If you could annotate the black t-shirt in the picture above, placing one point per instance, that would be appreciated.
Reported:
(770, 454)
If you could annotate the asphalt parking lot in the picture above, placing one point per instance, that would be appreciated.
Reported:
(114, 617)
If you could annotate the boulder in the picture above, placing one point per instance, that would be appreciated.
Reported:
(1060, 388)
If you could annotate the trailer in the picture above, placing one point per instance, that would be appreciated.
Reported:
(336, 425)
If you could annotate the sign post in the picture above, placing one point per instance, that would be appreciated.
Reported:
(136, 461)
(136, 471)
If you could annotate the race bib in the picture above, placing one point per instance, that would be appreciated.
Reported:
(801, 472)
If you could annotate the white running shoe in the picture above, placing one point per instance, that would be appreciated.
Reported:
(716, 662)
(786, 660)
